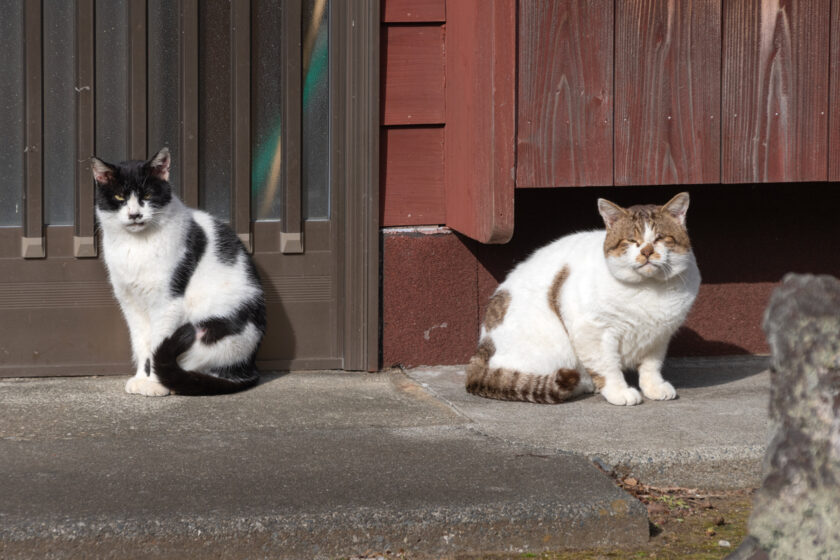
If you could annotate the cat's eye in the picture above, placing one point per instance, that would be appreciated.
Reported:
(147, 196)
(118, 197)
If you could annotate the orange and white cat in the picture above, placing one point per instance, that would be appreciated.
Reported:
(579, 311)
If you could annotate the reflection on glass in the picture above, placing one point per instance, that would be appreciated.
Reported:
(111, 92)
(59, 113)
(268, 167)
(266, 113)
(11, 113)
(214, 107)
(315, 169)
(163, 92)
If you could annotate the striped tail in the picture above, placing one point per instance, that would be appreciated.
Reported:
(176, 379)
(511, 385)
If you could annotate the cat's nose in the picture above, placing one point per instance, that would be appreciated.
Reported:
(135, 217)
(647, 250)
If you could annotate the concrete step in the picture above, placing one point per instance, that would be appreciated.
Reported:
(714, 435)
(306, 465)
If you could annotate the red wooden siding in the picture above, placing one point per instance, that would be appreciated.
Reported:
(413, 113)
(834, 99)
(413, 84)
(411, 190)
(413, 11)
(481, 119)
(775, 90)
(565, 93)
(667, 92)
(599, 92)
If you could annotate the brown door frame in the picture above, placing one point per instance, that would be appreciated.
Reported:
(355, 163)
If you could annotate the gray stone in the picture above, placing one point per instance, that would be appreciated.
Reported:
(796, 512)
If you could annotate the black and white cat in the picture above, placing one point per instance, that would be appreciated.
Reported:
(188, 289)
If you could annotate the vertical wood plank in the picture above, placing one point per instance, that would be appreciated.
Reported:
(667, 84)
(834, 99)
(33, 215)
(241, 87)
(84, 236)
(480, 133)
(137, 79)
(775, 91)
(188, 105)
(565, 93)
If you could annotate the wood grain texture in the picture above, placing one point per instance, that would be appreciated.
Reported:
(565, 103)
(411, 190)
(834, 99)
(413, 11)
(481, 118)
(775, 90)
(413, 75)
(667, 84)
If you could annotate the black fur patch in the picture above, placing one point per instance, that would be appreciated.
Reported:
(196, 245)
(148, 367)
(219, 327)
(228, 245)
(132, 177)
(224, 380)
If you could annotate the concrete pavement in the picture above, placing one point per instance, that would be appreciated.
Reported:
(714, 435)
(330, 465)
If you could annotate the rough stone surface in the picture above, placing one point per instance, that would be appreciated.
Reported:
(796, 512)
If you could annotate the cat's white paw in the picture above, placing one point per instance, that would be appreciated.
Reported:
(663, 391)
(145, 386)
(627, 396)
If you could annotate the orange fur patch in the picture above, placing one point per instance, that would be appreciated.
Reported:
(554, 292)
(597, 379)
(496, 309)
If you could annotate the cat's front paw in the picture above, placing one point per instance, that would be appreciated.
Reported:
(663, 391)
(627, 396)
(146, 387)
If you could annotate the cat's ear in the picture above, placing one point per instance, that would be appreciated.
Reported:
(103, 173)
(610, 212)
(159, 164)
(677, 207)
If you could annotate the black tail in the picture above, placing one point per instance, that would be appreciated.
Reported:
(182, 382)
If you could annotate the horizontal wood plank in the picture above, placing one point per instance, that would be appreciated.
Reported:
(565, 105)
(412, 191)
(413, 75)
(413, 11)
(667, 92)
(775, 91)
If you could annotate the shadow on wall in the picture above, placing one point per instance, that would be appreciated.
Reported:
(745, 237)
(740, 233)
(688, 342)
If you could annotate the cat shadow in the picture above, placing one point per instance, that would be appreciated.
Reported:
(689, 343)
(270, 376)
(695, 362)
(279, 342)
